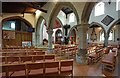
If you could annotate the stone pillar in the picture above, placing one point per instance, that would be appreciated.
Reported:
(33, 39)
(106, 36)
(37, 40)
(50, 32)
(0, 26)
(0, 34)
(81, 57)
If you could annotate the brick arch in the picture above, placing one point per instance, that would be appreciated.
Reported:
(17, 17)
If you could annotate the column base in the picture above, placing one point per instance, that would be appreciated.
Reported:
(81, 57)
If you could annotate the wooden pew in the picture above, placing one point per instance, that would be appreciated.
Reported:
(26, 59)
(108, 61)
(15, 70)
(66, 67)
(3, 70)
(52, 68)
(49, 57)
(35, 69)
(38, 58)
(11, 60)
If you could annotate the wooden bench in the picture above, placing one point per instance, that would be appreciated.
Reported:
(35, 69)
(66, 67)
(108, 61)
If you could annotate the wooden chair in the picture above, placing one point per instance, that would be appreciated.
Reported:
(38, 58)
(35, 69)
(3, 60)
(66, 67)
(52, 68)
(31, 53)
(26, 59)
(108, 62)
(11, 60)
(16, 70)
(40, 53)
(3, 70)
(49, 57)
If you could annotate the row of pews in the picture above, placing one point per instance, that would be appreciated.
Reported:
(107, 56)
(38, 69)
(94, 54)
(109, 60)
(31, 63)
(66, 50)
(24, 59)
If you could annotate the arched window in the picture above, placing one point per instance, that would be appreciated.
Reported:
(111, 35)
(101, 36)
(72, 17)
(87, 36)
(99, 9)
(117, 5)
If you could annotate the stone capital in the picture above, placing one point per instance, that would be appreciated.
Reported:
(83, 26)
(50, 31)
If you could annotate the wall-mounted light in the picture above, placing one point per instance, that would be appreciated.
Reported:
(37, 12)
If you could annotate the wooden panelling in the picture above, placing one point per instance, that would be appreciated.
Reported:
(19, 37)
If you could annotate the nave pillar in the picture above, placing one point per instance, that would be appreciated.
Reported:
(37, 40)
(0, 34)
(82, 44)
(106, 36)
(0, 26)
(50, 48)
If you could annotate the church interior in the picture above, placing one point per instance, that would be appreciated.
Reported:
(59, 38)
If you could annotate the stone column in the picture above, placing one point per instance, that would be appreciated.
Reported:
(0, 34)
(81, 57)
(33, 39)
(37, 40)
(0, 26)
(106, 36)
(50, 32)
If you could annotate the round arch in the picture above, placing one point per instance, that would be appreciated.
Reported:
(17, 17)
(58, 38)
(113, 25)
(73, 28)
(39, 31)
(74, 32)
(60, 23)
(87, 11)
(95, 23)
(38, 23)
(56, 10)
